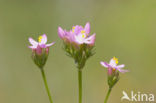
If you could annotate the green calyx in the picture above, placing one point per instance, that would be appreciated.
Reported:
(113, 79)
(40, 59)
(80, 53)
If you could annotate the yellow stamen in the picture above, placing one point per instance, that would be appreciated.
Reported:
(114, 69)
(40, 39)
(82, 31)
(116, 60)
(83, 36)
(73, 29)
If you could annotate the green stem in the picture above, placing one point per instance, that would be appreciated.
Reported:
(80, 85)
(108, 93)
(46, 85)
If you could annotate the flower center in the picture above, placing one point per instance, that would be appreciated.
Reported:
(40, 39)
(116, 60)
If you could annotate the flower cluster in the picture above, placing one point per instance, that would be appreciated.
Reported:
(113, 71)
(78, 43)
(40, 50)
(77, 36)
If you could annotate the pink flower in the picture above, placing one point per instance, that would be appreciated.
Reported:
(113, 71)
(112, 65)
(37, 46)
(40, 50)
(77, 35)
(78, 43)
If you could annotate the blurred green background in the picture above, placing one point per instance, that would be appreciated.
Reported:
(124, 28)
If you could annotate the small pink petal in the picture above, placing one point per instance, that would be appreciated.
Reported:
(112, 63)
(120, 66)
(33, 42)
(122, 70)
(61, 32)
(90, 40)
(32, 47)
(87, 28)
(44, 39)
(106, 65)
(43, 45)
(79, 39)
(48, 45)
(77, 29)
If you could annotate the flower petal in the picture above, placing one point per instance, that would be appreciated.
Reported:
(61, 32)
(44, 39)
(43, 46)
(32, 47)
(122, 70)
(90, 40)
(77, 29)
(112, 63)
(87, 28)
(79, 39)
(48, 45)
(105, 64)
(120, 66)
(33, 42)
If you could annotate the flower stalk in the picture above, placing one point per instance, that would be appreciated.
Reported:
(46, 85)
(80, 85)
(108, 94)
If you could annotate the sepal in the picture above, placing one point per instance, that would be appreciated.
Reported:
(40, 59)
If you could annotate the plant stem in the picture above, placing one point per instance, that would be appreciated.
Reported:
(46, 85)
(80, 85)
(108, 93)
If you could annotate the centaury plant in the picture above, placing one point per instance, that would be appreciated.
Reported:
(40, 52)
(78, 44)
(113, 73)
